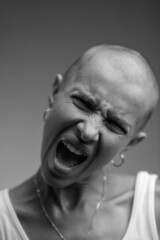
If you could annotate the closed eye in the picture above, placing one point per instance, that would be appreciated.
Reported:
(115, 127)
(82, 103)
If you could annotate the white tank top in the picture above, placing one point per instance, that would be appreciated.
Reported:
(142, 225)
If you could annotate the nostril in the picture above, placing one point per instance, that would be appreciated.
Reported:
(96, 137)
(80, 126)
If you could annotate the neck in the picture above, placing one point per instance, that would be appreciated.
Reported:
(68, 198)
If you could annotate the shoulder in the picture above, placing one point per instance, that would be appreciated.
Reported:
(157, 204)
(122, 181)
(120, 184)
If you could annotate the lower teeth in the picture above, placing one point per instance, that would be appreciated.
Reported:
(61, 165)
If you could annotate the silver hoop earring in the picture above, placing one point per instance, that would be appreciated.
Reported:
(121, 163)
(46, 114)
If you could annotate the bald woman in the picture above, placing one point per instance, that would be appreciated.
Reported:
(96, 112)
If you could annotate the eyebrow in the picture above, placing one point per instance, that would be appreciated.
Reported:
(87, 96)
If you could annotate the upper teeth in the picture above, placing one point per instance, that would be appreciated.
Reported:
(72, 148)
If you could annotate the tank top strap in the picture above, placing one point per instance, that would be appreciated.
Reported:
(143, 222)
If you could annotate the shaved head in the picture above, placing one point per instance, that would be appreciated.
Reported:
(133, 68)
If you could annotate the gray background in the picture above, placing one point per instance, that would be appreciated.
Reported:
(41, 38)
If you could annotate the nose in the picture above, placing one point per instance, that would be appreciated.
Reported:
(88, 131)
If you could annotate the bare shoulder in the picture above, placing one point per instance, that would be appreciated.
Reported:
(157, 204)
(120, 184)
(127, 180)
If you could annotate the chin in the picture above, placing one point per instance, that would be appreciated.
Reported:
(56, 179)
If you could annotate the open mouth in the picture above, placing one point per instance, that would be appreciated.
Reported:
(69, 156)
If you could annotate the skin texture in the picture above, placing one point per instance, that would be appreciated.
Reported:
(99, 107)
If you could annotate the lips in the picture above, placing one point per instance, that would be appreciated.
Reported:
(68, 155)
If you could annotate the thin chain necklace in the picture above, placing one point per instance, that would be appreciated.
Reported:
(51, 221)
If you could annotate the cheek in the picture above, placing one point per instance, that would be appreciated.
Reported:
(63, 115)
(56, 118)
(111, 145)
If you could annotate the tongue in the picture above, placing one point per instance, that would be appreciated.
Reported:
(68, 158)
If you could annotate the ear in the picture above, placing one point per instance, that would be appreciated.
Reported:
(57, 84)
(137, 139)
